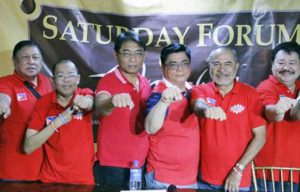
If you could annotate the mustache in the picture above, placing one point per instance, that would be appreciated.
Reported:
(287, 71)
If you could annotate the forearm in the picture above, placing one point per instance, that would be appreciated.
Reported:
(254, 146)
(34, 139)
(155, 118)
(103, 105)
(5, 98)
(199, 107)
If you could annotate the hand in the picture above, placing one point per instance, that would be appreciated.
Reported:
(82, 102)
(4, 109)
(233, 181)
(171, 94)
(216, 113)
(122, 100)
(284, 104)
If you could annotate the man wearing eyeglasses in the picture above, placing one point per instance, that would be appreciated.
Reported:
(61, 124)
(120, 100)
(18, 94)
(232, 125)
(173, 128)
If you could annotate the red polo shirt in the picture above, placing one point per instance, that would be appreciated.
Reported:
(69, 153)
(224, 142)
(174, 149)
(118, 143)
(282, 146)
(14, 163)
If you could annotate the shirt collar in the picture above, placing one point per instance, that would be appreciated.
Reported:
(21, 78)
(234, 90)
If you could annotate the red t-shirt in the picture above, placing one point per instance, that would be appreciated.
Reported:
(14, 163)
(224, 142)
(174, 149)
(118, 143)
(281, 148)
(69, 153)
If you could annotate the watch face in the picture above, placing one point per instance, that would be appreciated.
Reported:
(240, 166)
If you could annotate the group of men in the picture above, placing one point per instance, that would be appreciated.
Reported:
(201, 136)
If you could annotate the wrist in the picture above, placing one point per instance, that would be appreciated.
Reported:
(240, 167)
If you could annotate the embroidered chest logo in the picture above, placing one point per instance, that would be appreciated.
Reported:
(238, 108)
(21, 97)
(210, 102)
(78, 115)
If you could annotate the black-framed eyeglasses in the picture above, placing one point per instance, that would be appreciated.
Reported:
(176, 66)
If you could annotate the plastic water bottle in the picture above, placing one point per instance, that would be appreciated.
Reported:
(135, 182)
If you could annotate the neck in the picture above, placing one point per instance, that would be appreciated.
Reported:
(224, 89)
(181, 86)
(132, 78)
(63, 100)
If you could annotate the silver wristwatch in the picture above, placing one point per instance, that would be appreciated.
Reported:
(240, 167)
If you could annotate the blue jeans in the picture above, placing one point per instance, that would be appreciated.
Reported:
(151, 183)
(286, 186)
(206, 186)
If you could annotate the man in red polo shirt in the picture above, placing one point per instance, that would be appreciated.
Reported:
(120, 99)
(173, 156)
(17, 101)
(232, 125)
(280, 94)
(62, 124)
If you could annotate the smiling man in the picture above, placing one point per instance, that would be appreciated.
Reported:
(280, 94)
(173, 156)
(61, 124)
(18, 94)
(231, 124)
(120, 100)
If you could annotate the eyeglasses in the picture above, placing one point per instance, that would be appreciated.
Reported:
(128, 55)
(65, 77)
(175, 65)
(28, 57)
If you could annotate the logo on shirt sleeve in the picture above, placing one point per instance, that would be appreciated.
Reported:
(238, 108)
(49, 119)
(21, 97)
(210, 102)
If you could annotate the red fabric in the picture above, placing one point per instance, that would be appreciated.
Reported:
(224, 142)
(118, 143)
(174, 149)
(14, 164)
(69, 153)
(281, 148)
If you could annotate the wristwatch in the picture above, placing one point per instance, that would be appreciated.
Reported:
(240, 167)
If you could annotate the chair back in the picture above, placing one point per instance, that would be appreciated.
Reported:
(268, 175)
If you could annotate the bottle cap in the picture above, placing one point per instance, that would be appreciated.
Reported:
(135, 163)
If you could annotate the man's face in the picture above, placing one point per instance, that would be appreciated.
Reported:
(130, 57)
(66, 79)
(223, 67)
(28, 62)
(176, 68)
(286, 67)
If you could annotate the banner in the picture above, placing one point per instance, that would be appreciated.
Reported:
(85, 32)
